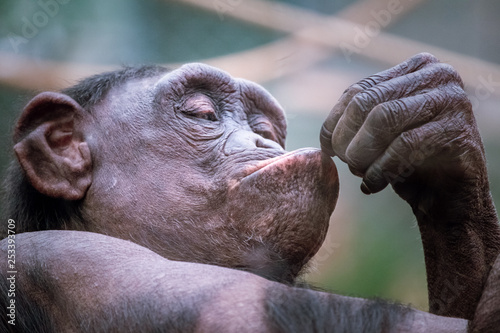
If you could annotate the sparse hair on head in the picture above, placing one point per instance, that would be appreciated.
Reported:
(93, 89)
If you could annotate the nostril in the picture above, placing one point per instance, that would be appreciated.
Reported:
(266, 143)
(260, 143)
(241, 140)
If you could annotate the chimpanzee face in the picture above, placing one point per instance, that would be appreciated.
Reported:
(192, 165)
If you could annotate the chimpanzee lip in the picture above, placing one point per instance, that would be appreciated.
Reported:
(269, 163)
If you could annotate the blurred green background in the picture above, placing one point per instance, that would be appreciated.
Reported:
(306, 53)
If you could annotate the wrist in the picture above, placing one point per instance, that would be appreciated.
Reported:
(461, 239)
(454, 203)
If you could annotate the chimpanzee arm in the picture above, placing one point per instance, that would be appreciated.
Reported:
(87, 282)
(487, 316)
(412, 126)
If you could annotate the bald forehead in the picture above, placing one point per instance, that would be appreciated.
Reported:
(127, 101)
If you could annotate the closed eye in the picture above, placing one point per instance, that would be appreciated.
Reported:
(199, 106)
(207, 114)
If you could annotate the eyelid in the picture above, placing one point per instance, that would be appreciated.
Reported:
(203, 114)
(199, 106)
(198, 100)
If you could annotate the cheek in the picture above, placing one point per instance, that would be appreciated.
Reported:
(178, 190)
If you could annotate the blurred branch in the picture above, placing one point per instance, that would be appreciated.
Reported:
(312, 38)
(361, 12)
(259, 64)
(291, 54)
(27, 73)
(332, 32)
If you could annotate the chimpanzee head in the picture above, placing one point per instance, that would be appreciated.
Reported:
(189, 163)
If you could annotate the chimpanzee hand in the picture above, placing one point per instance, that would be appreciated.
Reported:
(412, 127)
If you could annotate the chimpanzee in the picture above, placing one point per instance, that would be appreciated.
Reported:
(150, 200)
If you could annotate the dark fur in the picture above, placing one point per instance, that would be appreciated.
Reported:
(303, 310)
(92, 90)
(32, 210)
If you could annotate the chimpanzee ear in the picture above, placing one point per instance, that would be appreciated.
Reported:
(50, 146)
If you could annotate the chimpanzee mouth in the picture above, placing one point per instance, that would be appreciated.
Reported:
(307, 172)
(290, 160)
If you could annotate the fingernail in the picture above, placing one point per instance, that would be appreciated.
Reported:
(365, 188)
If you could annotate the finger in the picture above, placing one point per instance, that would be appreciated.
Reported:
(407, 152)
(325, 136)
(388, 120)
(411, 65)
(362, 104)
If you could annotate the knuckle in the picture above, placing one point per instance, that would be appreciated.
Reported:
(454, 95)
(426, 58)
(380, 92)
(420, 60)
(353, 90)
(368, 82)
(363, 101)
(446, 69)
(369, 98)
(446, 73)
(460, 95)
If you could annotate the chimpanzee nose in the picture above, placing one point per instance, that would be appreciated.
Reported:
(240, 140)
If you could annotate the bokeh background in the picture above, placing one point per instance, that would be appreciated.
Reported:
(306, 53)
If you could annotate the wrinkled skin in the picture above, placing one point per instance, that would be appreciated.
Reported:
(192, 152)
(487, 315)
(192, 166)
(412, 126)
